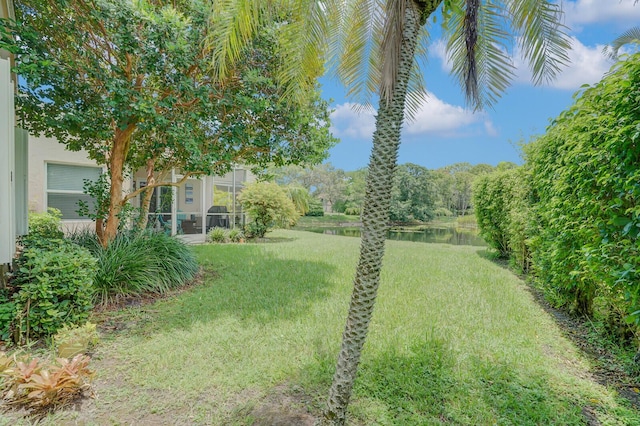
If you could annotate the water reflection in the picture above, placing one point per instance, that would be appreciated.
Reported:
(429, 235)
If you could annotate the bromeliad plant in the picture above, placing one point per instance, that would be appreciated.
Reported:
(39, 385)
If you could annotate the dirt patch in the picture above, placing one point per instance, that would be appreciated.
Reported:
(606, 370)
(284, 405)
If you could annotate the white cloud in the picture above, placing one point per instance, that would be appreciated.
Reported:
(433, 117)
(587, 66)
(348, 121)
(439, 50)
(600, 11)
(490, 128)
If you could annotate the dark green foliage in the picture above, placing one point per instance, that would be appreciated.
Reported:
(413, 194)
(136, 263)
(315, 207)
(502, 206)
(55, 287)
(7, 314)
(586, 176)
(573, 211)
(45, 225)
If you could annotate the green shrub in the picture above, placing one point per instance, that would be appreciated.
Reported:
(7, 315)
(442, 212)
(85, 237)
(315, 207)
(218, 235)
(70, 341)
(491, 194)
(268, 206)
(136, 263)
(55, 287)
(585, 174)
(352, 211)
(236, 235)
(46, 225)
(502, 201)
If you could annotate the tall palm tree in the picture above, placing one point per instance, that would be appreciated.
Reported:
(374, 44)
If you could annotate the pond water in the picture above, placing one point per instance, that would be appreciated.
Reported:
(429, 235)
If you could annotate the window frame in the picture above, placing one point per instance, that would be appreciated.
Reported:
(48, 191)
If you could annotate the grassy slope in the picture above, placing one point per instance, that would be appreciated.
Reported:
(455, 339)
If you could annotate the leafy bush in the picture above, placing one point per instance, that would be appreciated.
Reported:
(218, 235)
(71, 341)
(236, 235)
(46, 225)
(137, 263)
(268, 206)
(315, 207)
(352, 211)
(442, 212)
(55, 287)
(39, 385)
(502, 209)
(491, 194)
(585, 172)
(7, 315)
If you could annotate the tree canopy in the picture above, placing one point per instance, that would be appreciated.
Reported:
(131, 82)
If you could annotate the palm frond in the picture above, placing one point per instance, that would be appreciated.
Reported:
(302, 28)
(478, 50)
(543, 38)
(391, 46)
(303, 37)
(355, 47)
(234, 24)
(416, 91)
(631, 36)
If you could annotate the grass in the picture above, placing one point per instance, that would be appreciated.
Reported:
(455, 339)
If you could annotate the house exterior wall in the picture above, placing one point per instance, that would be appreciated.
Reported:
(190, 202)
(43, 150)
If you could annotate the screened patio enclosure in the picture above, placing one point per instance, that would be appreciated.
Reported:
(198, 204)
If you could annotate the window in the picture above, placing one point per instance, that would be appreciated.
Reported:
(64, 187)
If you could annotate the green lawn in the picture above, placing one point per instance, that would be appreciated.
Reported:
(455, 339)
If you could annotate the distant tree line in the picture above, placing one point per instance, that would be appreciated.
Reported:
(419, 194)
(571, 214)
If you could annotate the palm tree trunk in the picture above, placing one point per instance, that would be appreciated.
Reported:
(375, 216)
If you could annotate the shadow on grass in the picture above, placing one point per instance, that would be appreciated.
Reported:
(249, 283)
(423, 386)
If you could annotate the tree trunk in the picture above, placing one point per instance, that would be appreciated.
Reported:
(116, 168)
(146, 196)
(375, 215)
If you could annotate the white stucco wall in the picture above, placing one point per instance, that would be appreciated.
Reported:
(41, 151)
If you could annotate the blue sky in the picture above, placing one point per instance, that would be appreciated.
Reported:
(446, 131)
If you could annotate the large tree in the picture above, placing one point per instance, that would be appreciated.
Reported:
(413, 195)
(134, 80)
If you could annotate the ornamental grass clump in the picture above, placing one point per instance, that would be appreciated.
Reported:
(218, 235)
(136, 263)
